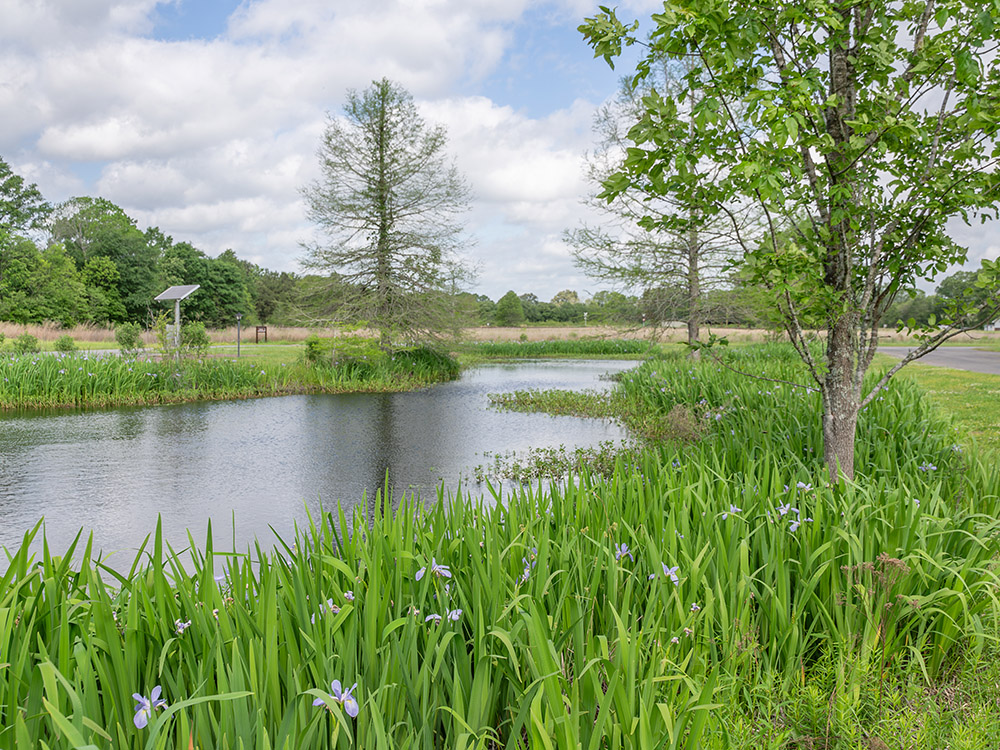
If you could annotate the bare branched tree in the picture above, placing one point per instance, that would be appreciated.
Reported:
(387, 204)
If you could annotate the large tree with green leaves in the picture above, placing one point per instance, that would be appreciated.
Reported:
(387, 203)
(22, 209)
(864, 127)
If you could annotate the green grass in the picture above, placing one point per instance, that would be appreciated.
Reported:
(47, 381)
(592, 348)
(971, 400)
(852, 625)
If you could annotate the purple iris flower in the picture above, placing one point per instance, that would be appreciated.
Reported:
(435, 618)
(144, 707)
(349, 595)
(441, 570)
(344, 697)
(670, 573)
(454, 614)
(621, 551)
(732, 509)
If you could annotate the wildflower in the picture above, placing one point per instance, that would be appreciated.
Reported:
(783, 509)
(436, 618)
(144, 707)
(695, 607)
(621, 551)
(927, 467)
(688, 632)
(349, 595)
(732, 510)
(916, 502)
(675, 639)
(803, 486)
(440, 570)
(670, 573)
(180, 627)
(454, 614)
(793, 526)
(343, 697)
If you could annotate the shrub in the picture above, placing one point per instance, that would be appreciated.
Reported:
(314, 349)
(194, 338)
(129, 338)
(26, 344)
(65, 344)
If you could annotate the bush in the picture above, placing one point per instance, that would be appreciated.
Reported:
(129, 338)
(194, 338)
(26, 344)
(65, 344)
(314, 349)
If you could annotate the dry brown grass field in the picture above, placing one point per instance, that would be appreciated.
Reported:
(49, 332)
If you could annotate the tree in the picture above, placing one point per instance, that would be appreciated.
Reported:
(387, 202)
(96, 227)
(630, 247)
(509, 310)
(864, 126)
(22, 209)
(566, 297)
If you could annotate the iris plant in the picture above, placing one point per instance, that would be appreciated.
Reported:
(144, 706)
(344, 697)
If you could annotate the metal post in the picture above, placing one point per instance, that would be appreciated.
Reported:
(177, 324)
(239, 316)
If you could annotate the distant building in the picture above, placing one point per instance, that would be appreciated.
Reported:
(994, 326)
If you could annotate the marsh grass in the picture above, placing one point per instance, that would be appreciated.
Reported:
(716, 594)
(78, 380)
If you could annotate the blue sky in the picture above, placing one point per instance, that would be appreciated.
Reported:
(202, 117)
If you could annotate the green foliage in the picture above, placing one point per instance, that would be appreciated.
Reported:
(129, 339)
(194, 338)
(562, 348)
(769, 636)
(26, 344)
(819, 119)
(65, 343)
(509, 310)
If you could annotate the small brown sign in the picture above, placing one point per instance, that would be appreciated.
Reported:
(260, 330)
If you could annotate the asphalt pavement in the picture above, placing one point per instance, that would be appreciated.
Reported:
(956, 357)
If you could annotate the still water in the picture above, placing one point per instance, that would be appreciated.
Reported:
(257, 465)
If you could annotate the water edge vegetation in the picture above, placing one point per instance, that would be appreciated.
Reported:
(714, 593)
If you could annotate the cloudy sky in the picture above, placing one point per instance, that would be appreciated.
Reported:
(202, 117)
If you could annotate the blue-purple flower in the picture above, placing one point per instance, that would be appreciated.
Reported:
(670, 573)
(344, 697)
(454, 614)
(732, 510)
(180, 626)
(144, 707)
(349, 595)
(621, 551)
(439, 570)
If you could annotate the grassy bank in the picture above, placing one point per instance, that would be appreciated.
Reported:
(715, 593)
(49, 381)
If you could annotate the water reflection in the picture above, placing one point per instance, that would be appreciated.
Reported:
(251, 466)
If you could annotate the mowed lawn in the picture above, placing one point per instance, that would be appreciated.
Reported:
(972, 399)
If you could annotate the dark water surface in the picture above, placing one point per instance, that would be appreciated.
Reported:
(266, 461)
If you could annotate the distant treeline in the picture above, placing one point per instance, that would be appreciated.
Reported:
(92, 264)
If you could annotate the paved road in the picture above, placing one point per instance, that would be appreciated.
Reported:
(955, 357)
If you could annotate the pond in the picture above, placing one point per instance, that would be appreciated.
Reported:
(257, 465)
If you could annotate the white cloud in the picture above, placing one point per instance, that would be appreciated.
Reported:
(212, 139)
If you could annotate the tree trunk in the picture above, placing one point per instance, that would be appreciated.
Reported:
(841, 399)
(693, 289)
